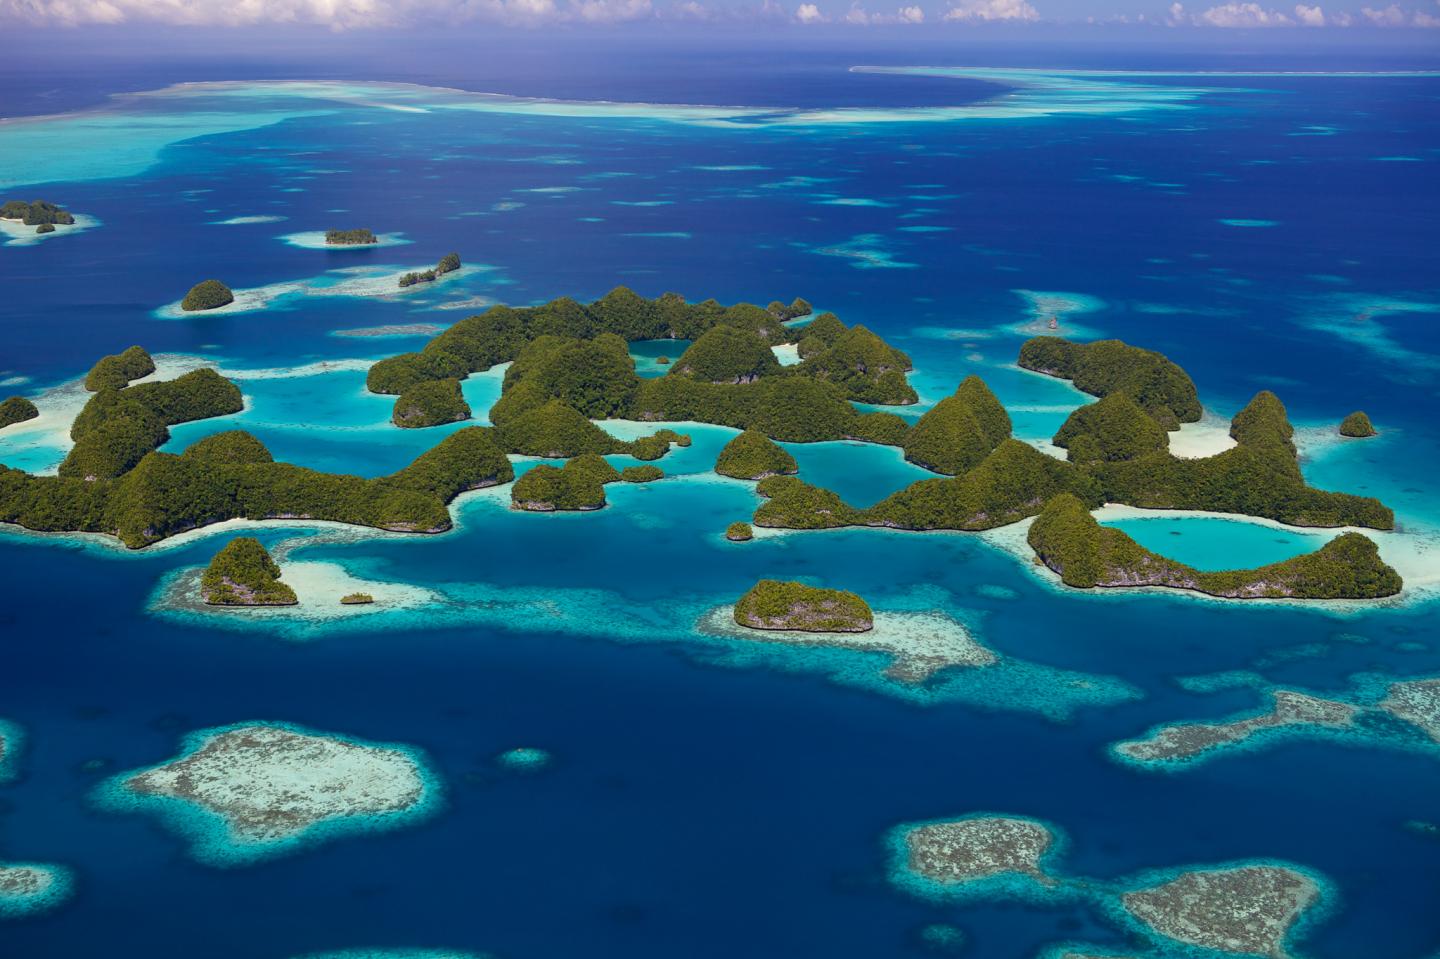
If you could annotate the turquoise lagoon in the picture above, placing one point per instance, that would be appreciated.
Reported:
(717, 796)
(1218, 543)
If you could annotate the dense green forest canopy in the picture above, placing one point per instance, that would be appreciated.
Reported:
(17, 409)
(1157, 385)
(356, 237)
(36, 213)
(244, 574)
(207, 295)
(1068, 539)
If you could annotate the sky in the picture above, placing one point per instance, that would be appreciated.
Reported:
(361, 15)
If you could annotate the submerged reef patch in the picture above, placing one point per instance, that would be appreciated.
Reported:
(27, 888)
(12, 738)
(1249, 908)
(1290, 712)
(976, 856)
(524, 759)
(1380, 713)
(243, 793)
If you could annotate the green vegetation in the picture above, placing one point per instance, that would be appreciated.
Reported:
(792, 503)
(798, 307)
(232, 476)
(360, 237)
(1357, 424)
(739, 533)
(45, 228)
(1258, 477)
(116, 371)
(17, 409)
(867, 368)
(449, 263)
(36, 213)
(577, 354)
(1113, 428)
(579, 485)
(1085, 554)
(642, 474)
(752, 456)
(960, 431)
(356, 599)
(243, 574)
(207, 295)
(595, 377)
(555, 430)
(429, 404)
(419, 276)
(662, 361)
(1158, 386)
(727, 354)
(399, 373)
(1010, 484)
(118, 427)
(776, 604)
(793, 409)
(885, 429)
(233, 447)
(819, 335)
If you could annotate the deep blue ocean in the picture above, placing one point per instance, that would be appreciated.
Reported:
(706, 799)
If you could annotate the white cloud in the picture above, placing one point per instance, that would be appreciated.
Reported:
(1242, 15)
(809, 13)
(992, 10)
(337, 14)
(1310, 16)
(1423, 19)
(610, 11)
(1391, 16)
(859, 16)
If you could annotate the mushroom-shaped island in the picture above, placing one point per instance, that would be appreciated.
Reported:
(578, 485)
(115, 372)
(960, 431)
(739, 533)
(753, 456)
(776, 604)
(17, 409)
(207, 295)
(41, 214)
(1357, 425)
(642, 474)
(430, 403)
(243, 574)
